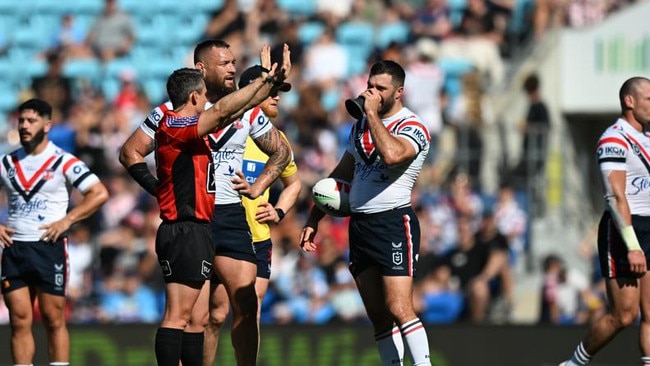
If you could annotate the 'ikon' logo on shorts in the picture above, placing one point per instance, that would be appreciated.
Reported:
(206, 269)
(166, 268)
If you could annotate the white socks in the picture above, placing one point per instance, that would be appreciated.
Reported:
(391, 347)
(417, 341)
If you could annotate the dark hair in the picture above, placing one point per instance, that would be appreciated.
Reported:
(41, 107)
(201, 49)
(629, 87)
(181, 83)
(531, 84)
(551, 259)
(391, 68)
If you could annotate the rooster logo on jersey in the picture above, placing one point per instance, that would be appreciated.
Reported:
(48, 174)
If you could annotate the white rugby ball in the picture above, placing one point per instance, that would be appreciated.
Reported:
(332, 196)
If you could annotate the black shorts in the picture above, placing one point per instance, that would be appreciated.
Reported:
(388, 240)
(36, 264)
(185, 251)
(612, 251)
(263, 250)
(232, 235)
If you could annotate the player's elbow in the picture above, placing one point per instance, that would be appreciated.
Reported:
(391, 159)
(100, 194)
(123, 157)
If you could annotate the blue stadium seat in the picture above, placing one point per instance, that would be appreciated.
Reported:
(136, 7)
(187, 29)
(356, 35)
(455, 66)
(151, 29)
(519, 21)
(455, 69)
(206, 6)
(15, 8)
(89, 69)
(156, 90)
(110, 87)
(7, 69)
(34, 67)
(86, 7)
(161, 67)
(114, 68)
(456, 8)
(298, 8)
(35, 31)
(393, 32)
(52, 7)
(8, 23)
(9, 99)
(308, 32)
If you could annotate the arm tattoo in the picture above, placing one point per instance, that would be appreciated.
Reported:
(151, 146)
(278, 150)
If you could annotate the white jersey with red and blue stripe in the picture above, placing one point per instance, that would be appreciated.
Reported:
(227, 147)
(38, 188)
(621, 147)
(377, 187)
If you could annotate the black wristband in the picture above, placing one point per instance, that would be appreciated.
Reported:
(141, 174)
(280, 213)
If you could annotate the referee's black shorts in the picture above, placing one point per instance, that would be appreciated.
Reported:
(185, 251)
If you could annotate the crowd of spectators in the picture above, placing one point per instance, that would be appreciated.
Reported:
(454, 53)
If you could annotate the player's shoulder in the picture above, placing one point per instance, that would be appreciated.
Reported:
(157, 114)
(252, 114)
(615, 130)
(408, 117)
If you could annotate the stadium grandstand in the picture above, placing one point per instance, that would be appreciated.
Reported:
(103, 65)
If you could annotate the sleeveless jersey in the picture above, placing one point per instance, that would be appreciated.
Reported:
(227, 147)
(377, 187)
(182, 161)
(254, 161)
(621, 147)
(38, 188)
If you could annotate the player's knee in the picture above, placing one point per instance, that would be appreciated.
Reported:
(20, 321)
(245, 304)
(626, 318)
(401, 311)
(199, 321)
(53, 321)
(218, 317)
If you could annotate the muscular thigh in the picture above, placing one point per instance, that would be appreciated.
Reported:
(624, 294)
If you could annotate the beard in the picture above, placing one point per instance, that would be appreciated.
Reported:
(217, 91)
(388, 104)
(36, 140)
(270, 112)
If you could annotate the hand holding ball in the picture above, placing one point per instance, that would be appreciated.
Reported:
(332, 196)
